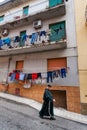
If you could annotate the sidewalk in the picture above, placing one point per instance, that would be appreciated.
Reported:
(57, 111)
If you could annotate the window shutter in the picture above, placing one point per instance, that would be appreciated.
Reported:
(57, 63)
(1, 18)
(25, 10)
(57, 31)
(54, 2)
(19, 65)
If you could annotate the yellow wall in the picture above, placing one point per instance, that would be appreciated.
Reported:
(81, 32)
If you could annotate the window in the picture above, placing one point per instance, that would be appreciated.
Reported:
(25, 10)
(57, 31)
(19, 65)
(1, 18)
(55, 2)
(56, 63)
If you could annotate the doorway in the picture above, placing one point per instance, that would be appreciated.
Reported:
(60, 97)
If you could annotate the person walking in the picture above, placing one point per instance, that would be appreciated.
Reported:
(47, 107)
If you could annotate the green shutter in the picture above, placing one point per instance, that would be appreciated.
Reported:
(57, 31)
(22, 33)
(54, 2)
(21, 43)
(25, 10)
(1, 18)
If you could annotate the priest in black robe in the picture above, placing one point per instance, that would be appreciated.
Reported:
(47, 107)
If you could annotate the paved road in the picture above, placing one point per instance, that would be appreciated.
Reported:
(15, 116)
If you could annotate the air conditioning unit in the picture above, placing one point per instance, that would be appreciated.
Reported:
(37, 24)
(5, 32)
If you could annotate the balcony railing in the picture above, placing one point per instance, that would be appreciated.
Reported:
(36, 11)
(39, 41)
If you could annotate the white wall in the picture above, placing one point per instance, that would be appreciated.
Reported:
(40, 5)
(34, 63)
(3, 68)
(38, 61)
(72, 78)
(68, 18)
(35, 6)
(70, 24)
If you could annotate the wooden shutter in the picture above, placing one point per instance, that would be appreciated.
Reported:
(19, 65)
(54, 64)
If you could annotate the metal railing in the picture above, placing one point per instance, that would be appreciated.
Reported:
(33, 40)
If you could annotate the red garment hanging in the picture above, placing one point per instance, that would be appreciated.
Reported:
(34, 76)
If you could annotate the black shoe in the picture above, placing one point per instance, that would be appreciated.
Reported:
(41, 116)
(52, 118)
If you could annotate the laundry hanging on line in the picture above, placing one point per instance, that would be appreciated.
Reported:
(46, 77)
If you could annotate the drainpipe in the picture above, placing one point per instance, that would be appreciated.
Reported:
(7, 84)
(9, 60)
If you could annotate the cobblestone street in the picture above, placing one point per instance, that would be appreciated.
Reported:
(14, 116)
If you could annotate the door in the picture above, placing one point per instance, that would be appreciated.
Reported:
(22, 33)
(22, 41)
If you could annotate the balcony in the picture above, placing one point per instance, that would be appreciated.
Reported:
(32, 49)
(9, 4)
(33, 43)
(38, 11)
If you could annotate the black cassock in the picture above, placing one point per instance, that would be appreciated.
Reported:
(47, 107)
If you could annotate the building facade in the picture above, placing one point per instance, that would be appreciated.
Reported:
(38, 47)
(81, 31)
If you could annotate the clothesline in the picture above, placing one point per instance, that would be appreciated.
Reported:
(38, 69)
(49, 75)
